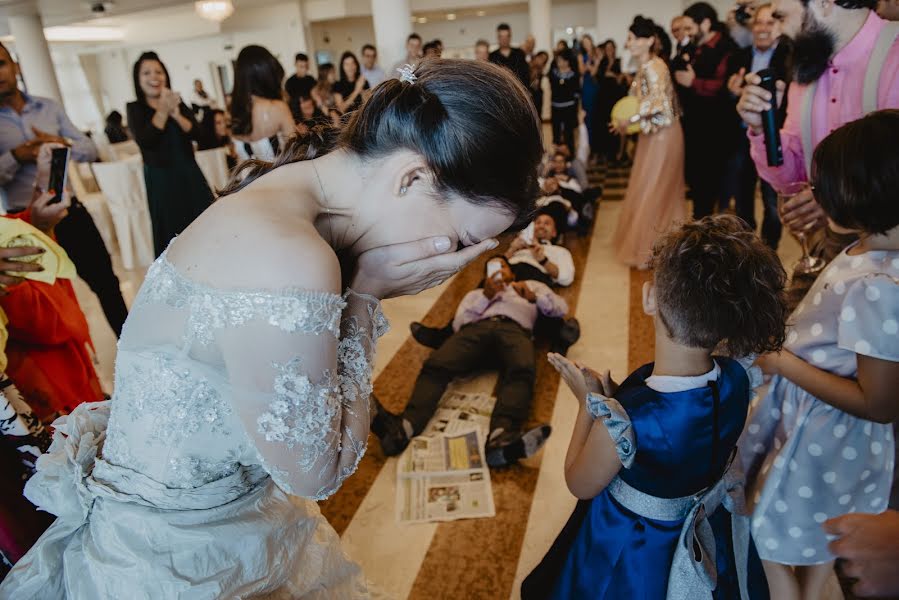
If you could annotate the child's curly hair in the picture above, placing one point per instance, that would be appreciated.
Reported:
(717, 284)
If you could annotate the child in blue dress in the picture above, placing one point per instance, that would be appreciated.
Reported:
(661, 512)
(820, 444)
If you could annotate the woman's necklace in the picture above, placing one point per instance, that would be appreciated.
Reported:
(324, 201)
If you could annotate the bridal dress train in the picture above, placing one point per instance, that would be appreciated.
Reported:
(199, 478)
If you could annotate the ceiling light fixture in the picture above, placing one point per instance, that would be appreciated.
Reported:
(214, 10)
(481, 13)
(422, 20)
(450, 16)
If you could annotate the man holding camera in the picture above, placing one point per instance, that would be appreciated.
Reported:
(769, 50)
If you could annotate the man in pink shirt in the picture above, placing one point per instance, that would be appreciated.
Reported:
(842, 49)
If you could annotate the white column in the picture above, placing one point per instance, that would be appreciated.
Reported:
(393, 24)
(33, 55)
(539, 12)
(302, 42)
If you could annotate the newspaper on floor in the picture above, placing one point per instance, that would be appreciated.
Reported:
(443, 474)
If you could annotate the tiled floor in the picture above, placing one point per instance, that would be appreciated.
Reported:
(432, 561)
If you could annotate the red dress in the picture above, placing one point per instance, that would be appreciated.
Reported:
(49, 347)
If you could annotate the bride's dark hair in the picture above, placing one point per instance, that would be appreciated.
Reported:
(473, 123)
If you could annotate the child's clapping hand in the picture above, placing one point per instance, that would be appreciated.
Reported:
(580, 379)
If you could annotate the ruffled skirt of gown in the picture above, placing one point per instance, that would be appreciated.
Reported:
(656, 195)
(120, 534)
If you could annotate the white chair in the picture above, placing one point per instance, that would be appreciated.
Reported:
(124, 150)
(214, 164)
(95, 203)
(122, 183)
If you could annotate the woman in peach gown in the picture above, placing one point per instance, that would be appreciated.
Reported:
(655, 198)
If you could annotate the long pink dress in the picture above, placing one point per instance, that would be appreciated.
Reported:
(656, 192)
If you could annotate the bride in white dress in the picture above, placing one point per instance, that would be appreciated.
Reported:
(243, 374)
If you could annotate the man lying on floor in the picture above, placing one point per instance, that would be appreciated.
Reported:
(533, 256)
(493, 327)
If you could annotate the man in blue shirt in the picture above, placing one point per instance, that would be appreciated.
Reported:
(769, 50)
(26, 123)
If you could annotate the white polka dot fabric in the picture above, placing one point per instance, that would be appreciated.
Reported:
(805, 460)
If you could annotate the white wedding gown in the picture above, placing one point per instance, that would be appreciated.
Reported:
(198, 479)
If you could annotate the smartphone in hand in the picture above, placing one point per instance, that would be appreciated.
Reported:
(59, 165)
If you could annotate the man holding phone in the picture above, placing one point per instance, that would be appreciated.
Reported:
(26, 123)
(493, 325)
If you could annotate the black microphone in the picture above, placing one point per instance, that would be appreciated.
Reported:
(769, 121)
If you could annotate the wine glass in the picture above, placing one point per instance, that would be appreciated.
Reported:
(807, 264)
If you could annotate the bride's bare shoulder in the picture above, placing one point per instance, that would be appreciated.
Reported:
(256, 250)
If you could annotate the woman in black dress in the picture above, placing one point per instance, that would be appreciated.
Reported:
(351, 85)
(164, 128)
(611, 90)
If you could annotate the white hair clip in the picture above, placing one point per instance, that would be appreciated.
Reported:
(407, 73)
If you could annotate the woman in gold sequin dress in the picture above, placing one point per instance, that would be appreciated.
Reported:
(655, 198)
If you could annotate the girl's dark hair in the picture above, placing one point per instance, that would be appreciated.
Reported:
(643, 27)
(472, 122)
(207, 138)
(568, 56)
(665, 47)
(855, 171)
(717, 283)
(256, 73)
(343, 57)
(138, 92)
(324, 70)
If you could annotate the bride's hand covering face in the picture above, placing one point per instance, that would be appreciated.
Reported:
(453, 154)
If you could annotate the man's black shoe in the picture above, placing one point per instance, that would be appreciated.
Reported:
(509, 447)
(430, 336)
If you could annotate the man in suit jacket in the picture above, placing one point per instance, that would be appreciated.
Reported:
(769, 50)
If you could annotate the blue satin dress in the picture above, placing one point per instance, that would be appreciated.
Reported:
(682, 444)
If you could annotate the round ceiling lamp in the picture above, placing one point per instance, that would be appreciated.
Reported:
(214, 10)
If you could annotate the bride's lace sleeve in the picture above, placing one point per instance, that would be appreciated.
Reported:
(301, 389)
(658, 103)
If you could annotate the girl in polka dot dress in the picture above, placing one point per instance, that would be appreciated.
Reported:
(820, 444)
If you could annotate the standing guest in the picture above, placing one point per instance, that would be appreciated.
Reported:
(299, 85)
(611, 90)
(820, 444)
(888, 10)
(509, 57)
(565, 96)
(27, 122)
(373, 73)
(656, 191)
(214, 133)
(588, 63)
(323, 92)
(200, 99)
(482, 50)
(260, 119)
(707, 108)
(164, 128)
(538, 75)
(432, 50)
(413, 55)
(348, 89)
(769, 49)
(678, 31)
(651, 459)
(494, 322)
(833, 57)
(115, 130)
(528, 46)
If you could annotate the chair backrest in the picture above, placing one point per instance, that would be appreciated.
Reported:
(122, 182)
(123, 150)
(77, 182)
(214, 164)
